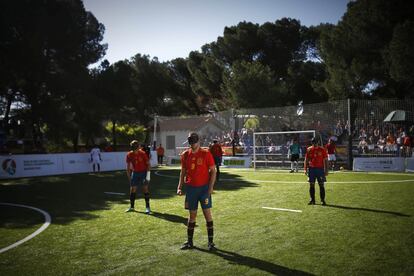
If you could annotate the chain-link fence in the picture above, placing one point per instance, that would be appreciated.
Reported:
(382, 127)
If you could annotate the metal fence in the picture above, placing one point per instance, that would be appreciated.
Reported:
(383, 127)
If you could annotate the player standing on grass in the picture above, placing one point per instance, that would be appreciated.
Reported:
(96, 158)
(138, 172)
(160, 154)
(316, 161)
(294, 151)
(217, 153)
(198, 172)
(331, 148)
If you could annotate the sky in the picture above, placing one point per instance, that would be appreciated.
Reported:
(169, 29)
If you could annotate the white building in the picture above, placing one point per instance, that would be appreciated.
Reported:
(172, 133)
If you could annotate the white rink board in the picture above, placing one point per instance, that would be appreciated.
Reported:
(409, 165)
(15, 166)
(379, 164)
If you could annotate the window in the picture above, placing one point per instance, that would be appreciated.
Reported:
(170, 142)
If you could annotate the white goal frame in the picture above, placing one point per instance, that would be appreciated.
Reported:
(276, 132)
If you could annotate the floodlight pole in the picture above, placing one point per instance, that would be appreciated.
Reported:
(154, 139)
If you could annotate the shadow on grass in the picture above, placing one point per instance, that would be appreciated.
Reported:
(368, 210)
(169, 217)
(73, 197)
(254, 263)
(236, 183)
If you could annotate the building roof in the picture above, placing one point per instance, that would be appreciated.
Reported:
(189, 124)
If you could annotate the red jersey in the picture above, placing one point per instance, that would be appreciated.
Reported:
(197, 166)
(137, 161)
(216, 150)
(407, 141)
(160, 151)
(330, 147)
(316, 156)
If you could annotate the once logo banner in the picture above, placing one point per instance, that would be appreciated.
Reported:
(9, 166)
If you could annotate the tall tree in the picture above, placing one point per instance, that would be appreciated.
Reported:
(114, 90)
(357, 50)
(42, 41)
(251, 84)
(280, 45)
(150, 85)
(181, 96)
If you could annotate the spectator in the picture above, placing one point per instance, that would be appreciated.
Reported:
(109, 148)
(390, 142)
(381, 143)
(362, 134)
(363, 146)
(407, 146)
(160, 154)
(376, 135)
(338, 131)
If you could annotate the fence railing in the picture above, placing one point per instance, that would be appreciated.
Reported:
(359, 126)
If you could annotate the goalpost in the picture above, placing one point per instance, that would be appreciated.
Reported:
(270, 149)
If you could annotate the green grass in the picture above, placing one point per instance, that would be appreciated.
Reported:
(366, 229)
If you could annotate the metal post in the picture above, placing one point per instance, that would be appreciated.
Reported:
(350, 156)
(254, 150)
(154, 139)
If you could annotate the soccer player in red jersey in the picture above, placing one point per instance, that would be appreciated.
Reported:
(198, 172)
(138, 169)
(331, 148)
(316, 161)
(217, 153)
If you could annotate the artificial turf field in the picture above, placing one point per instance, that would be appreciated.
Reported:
(366, 229)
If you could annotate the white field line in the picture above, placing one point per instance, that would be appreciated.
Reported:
(113, 193)
(301, 182)
(283, 209)
(300, 171)
(45, 225)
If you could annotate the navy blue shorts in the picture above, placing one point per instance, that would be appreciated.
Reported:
(194, 195)
(217, 161)
(138, 178)
(294, 157)
(317, 173)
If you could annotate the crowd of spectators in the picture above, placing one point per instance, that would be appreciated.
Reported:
(368, 137)
(385, 139)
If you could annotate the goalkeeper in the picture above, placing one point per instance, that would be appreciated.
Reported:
(316, 161)
(138, 172)
(294, 152)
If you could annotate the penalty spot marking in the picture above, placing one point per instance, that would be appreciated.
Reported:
(283, 209)
(113, 193)
(45, 225)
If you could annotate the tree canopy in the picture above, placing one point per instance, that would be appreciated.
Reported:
(46, 83)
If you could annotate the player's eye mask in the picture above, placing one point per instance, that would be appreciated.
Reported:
(192, 139)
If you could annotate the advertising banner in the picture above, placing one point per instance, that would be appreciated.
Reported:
(29, 165)
(379, 164)
(236, 162)
(409, 165)
(15, 166)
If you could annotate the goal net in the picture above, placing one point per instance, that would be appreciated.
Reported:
(272, 149)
